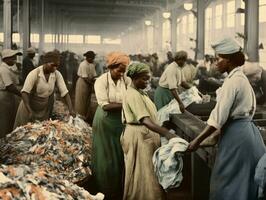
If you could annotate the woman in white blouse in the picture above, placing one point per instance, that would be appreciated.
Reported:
(107, 159)
(241, 145)
(37, 92)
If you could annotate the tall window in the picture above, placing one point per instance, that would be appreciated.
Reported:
(76, 39)
(93, 39)
(242, 14)
(190, 23)
(34, 37)
(230, 14)
(218, 16)
(111, 41)
(166, 35)
(1, 37)
(15, 37)
(262, 11)
(150, 38)
(208, 29)
(48, 38)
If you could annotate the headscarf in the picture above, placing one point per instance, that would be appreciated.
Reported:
(117, 58)
(137, 68)
(226, 46)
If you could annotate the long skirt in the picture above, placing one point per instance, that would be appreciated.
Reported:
(107, 157)
(240, 148)
(83, 97)
(41, 108)
(162, 97)
(139, 144)
(8, 109)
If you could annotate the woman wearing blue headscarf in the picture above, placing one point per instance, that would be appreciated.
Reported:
(241, 145)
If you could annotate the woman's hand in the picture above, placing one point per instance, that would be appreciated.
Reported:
(182, 107)
(193, 145)
(72, 113)
(170, 135)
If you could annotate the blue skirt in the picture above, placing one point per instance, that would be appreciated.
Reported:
(239, 150)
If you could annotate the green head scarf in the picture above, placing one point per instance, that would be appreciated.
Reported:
(137, 68)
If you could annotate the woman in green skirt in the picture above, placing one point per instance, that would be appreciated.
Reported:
(107, 159)
(170, 82)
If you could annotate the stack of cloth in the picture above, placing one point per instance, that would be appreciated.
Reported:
(187, 97)
(168, 163)
(22, 182)
(60, 111)
(62, 149)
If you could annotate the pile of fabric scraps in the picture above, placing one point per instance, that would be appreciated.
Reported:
(60, 148)
(168, 163)
(188, 97)
(60, 111)
(33, 183)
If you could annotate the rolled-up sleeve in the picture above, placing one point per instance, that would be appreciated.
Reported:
(136, 105)
(60, 83)
(100, 88)
(221, 112)
(30, 82)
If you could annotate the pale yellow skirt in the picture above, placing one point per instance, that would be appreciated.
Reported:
(139, 144)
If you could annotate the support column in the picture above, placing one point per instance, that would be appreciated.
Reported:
(7, 24)
(200, 39)
(173, 29)
(41, 39)
(252, 30)
(26, 25)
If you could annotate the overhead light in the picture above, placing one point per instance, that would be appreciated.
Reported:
(188, 6)
(147, 22)
(166, 15)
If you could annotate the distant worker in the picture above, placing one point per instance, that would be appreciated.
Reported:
(8, 91)
(27, 63)
(84, 85)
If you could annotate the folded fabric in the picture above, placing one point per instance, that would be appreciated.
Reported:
(260, 176)
(31, 183)
(168, 163)
(187, 97)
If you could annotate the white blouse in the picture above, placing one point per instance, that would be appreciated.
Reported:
(107, 91)
(8, 76)
(36, 79)
(235, 99)
(172, 77)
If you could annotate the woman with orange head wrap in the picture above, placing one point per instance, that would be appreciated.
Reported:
(107, 160)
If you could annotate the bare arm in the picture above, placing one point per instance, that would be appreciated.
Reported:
(113, 107)
(181, 105)
(11, 88)
(156, 128)
(26, 100)
(69, 105)
(185, 85)
(194, 145)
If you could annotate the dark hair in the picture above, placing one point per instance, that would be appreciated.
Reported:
(113, 66)
(51, 56)
(237, 59)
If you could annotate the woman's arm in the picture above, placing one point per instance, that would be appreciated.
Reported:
(194, 144)
(112, 107)
(69, 105)
(26, 100)
(11, 88)
(181, 105)
(156, 128)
